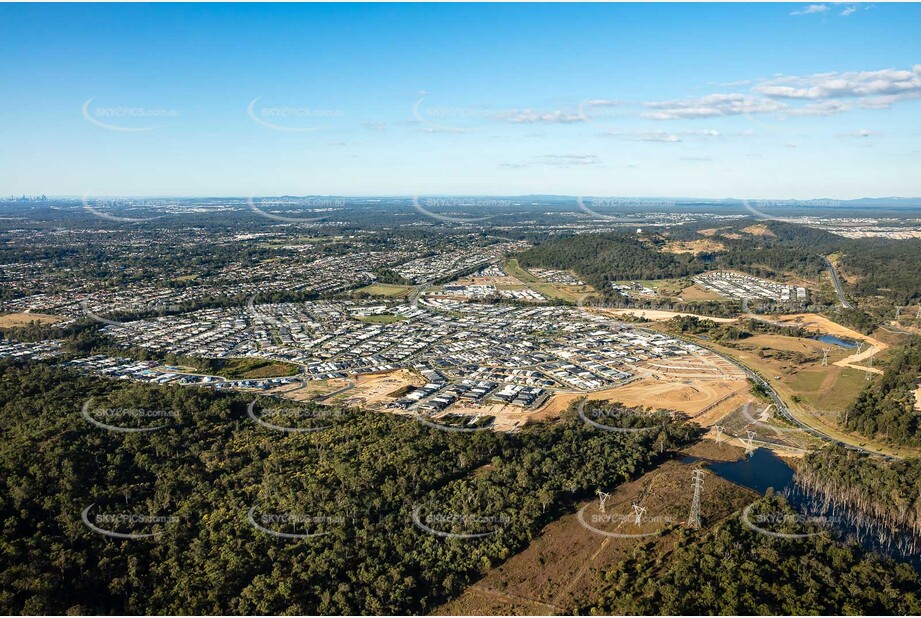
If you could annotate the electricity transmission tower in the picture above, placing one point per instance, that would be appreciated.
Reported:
(719, 433)
(869, 369)
(748, 443)
(639, 511)
(825, 357)
(694, 516)
(602, 498)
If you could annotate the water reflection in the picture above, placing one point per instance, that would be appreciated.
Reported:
(763, 469)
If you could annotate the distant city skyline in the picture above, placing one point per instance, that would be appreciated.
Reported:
(774, 101)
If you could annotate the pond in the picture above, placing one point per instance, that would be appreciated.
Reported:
(763, 469)
(844, 343)
(759, 471)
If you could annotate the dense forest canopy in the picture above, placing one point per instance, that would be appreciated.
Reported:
(889, 491)
(885, 267)
(734, 570)
(886, 408)
(877, 266)
(361, 478)
(602, 258)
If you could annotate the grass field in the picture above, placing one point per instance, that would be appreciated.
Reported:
(387, 289)
(814, 394)
(254, 368)
(695, 292)
(569, 293)
(13, 320)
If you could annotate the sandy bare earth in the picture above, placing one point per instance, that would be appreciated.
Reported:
(656, 315)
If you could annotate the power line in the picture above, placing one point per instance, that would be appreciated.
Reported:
(694, 516)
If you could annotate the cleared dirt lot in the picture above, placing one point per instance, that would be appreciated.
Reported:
(314, 389)
(703, 387)
(379, 388)
(656, 315)
(507, 416)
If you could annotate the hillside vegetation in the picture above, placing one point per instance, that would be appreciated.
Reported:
(358, 482)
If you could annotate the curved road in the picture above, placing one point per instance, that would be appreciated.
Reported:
(781, 406)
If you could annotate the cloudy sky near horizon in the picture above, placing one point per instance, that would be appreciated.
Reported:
(792, 101)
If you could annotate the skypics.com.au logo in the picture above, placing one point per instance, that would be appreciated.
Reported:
(291, 119)
(127, 420)
(455, 209)
(456, 525)
(126, 526)
(126, 119)
(288, 209)
(620, 420)
(294, 526)
(295, 419)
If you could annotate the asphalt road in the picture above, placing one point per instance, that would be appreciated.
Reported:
(840, 290)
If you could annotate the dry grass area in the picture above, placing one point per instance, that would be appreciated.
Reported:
(703, 245)
(811, 347)
(816, 395)
(387, 289)
(562, 570)
(814, 322)
(656, 315)
(759, 229)
(14, 320)
(695, 292)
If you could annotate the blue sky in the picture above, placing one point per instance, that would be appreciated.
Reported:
(718, 100)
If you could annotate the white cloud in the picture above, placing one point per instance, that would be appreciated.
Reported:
(885, 102)
(711, 106)
(375, 125)
(568, 160)
(847, 11)
(859, 133)
(664, 136)
(822, 108)
(528, 116)
(656, 136)
(812, 9)
(842, 85)
(601, 103)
